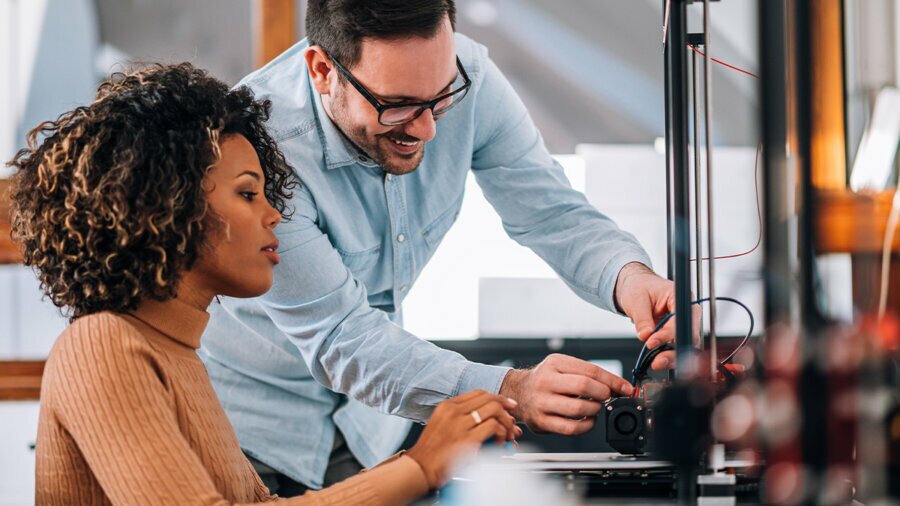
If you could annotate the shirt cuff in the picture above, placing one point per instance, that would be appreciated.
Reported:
(481, 376)
(388, 460)
(610, 274)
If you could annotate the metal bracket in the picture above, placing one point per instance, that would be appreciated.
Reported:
(696, 39)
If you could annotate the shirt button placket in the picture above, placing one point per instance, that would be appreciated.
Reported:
(394, 193)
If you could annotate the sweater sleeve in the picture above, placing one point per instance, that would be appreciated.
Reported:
(112, 396)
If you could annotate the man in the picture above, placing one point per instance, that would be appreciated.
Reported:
(383, 112)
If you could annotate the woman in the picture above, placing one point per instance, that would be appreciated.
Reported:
(136, 211)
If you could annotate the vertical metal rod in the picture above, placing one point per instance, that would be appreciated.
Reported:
(670, 238)
(814, 402)
(707, 113)
(698, 208)
(678, 163)
(774, 120)
(677, 75)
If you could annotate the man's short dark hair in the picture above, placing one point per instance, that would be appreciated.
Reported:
(339, 26)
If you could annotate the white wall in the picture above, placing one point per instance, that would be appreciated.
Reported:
(897, 43)
(13, 48)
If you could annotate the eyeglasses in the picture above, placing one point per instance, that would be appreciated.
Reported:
(398, 114)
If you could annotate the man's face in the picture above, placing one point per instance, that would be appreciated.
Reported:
(395, 72)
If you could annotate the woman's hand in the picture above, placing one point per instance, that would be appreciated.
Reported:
(456, 430)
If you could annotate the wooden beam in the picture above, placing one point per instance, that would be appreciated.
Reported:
(855, 223)
(9, 251)
(275, 29)
(849, 222)
(21, 379)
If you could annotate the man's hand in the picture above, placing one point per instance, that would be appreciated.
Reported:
(647, 298)
(562, 394)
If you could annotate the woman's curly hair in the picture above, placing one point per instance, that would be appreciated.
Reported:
(109, 201)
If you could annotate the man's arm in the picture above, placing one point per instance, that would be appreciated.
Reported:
(354, 349)
(601, 263)
(538, 207)
(349, 346)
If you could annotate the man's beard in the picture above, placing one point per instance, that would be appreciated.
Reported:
(378, 148)
(391, 161)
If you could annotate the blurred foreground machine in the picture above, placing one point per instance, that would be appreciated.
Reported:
(813, 417)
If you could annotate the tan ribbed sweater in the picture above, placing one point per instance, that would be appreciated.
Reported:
(128, 416)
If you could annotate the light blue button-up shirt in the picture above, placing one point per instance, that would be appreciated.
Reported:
(325, 343)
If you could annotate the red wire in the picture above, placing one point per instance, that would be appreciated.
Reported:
(755, 169)
(758, 214)
(720, 62)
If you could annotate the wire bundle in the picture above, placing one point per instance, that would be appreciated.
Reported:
(645, 358)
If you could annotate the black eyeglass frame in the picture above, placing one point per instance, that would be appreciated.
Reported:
(381, 108)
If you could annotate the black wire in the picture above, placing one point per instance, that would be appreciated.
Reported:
(645, 358)
(640, 371)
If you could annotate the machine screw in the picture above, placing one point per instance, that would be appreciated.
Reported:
(639, 408)
(609, 408)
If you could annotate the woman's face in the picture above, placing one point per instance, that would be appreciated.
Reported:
(242, 249)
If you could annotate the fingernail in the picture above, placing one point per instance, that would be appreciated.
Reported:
(664, 361)
(515, 444)
(512, 401)
(651, 344)
(627, 389)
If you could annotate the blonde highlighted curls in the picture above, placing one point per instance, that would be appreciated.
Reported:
(108, 200)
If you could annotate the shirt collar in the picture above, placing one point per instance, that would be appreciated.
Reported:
(175, 319)
(339, 152)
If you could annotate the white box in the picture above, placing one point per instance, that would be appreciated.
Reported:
(18, 432)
